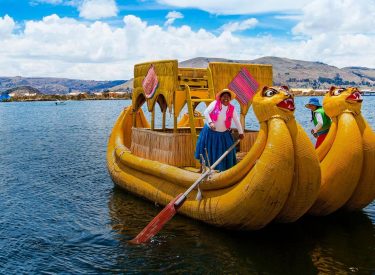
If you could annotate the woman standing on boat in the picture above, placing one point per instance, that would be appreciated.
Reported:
(216, 135)
(321, 121)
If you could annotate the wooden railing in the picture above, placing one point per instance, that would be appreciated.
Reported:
(193, 82)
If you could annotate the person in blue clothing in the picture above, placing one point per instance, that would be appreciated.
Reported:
(216, 135)
(321, 121)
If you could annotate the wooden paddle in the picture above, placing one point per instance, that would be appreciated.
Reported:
(171, 208)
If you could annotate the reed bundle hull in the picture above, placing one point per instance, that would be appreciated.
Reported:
(280, 176)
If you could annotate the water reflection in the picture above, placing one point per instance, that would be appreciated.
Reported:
(342, 243)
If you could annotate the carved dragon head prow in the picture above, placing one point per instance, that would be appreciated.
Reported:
(273, 102)
(340, 100)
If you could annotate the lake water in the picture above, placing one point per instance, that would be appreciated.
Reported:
(61, 213)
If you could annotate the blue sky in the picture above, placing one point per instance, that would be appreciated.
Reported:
(103, 39)
(150, 11)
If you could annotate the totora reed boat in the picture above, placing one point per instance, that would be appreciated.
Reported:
(279, 176)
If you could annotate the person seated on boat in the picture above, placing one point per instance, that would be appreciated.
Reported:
(216, 135)
(321, 121)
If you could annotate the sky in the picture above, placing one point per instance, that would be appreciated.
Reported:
(103, 39)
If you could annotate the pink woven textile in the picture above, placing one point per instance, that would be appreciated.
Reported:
(244, 86)
(150, 82)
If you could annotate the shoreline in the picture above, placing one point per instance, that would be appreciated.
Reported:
(53, 98)
(297, 92)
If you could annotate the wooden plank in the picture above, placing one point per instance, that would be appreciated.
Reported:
(193, 81)
(200, 84)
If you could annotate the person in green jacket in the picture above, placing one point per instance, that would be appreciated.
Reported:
(321, 121)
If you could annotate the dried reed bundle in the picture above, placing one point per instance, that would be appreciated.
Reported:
(223, 73)
(167, 73)
(164, 146)
(248, 140)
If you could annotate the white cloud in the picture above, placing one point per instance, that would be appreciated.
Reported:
(66, 47)
(96, 9)
(237, 6)
(172, 16)
(7, 26)
(338, 16)
(240, 26)
(340, 32)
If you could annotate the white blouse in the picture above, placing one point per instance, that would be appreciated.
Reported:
(319, 119)
(220, 123)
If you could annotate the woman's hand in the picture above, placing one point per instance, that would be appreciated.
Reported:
(212, 125)
(241, 136)
(313, 132)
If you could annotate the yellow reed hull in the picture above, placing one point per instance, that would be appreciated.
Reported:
(340, 167)
(364, 193)
(347, 155)
(347, 159)
(248, 196)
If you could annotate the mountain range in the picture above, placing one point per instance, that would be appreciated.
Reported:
(302, 74)
(51, 85)
(294, 73)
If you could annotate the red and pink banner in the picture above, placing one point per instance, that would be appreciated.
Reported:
(150, 82)
(244, 86)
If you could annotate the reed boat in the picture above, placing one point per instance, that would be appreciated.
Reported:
(347, 155)
(277, 177)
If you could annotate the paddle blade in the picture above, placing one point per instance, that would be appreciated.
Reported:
(157, 223)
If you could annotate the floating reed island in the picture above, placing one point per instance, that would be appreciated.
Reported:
(279, 176)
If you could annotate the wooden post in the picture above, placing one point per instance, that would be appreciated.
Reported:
(153, 119)
(242, 120)
(174, 113)
(164, 118)
(174, 124)
(134, 114)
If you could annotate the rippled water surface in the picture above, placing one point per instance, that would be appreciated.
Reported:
(60, 212)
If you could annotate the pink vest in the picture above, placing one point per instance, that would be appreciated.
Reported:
(229, 115)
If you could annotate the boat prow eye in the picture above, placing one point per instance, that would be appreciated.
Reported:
(337, 92)
(270, 93)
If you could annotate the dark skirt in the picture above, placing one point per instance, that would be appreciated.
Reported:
(216, 143)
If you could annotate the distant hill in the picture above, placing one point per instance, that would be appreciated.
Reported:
(294, 73)
(23, 90)
(50, 85)
(125, 87)
(301, 74)
(361, 72)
